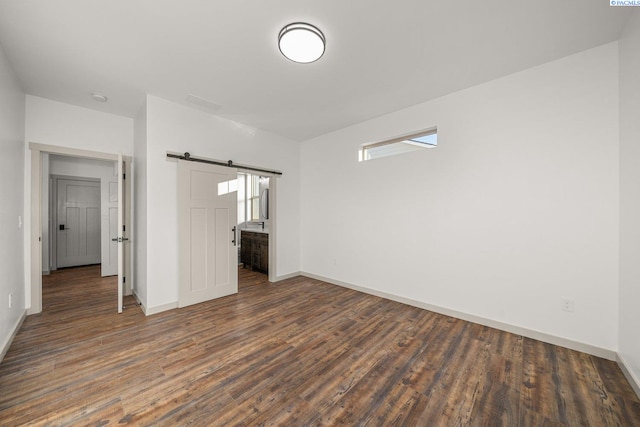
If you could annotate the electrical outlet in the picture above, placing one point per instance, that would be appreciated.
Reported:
(567, 304)
(335, 261)
(10, 300)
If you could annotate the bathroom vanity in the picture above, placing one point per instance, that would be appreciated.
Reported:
(254, 250)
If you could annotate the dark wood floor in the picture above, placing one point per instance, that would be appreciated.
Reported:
(300, 352)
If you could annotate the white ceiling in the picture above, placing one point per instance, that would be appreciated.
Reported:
(381, 56)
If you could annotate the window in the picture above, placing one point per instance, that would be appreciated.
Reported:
(250, 188)
(253, 197)
(405, 144)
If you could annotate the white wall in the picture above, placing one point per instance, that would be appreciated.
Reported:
(140, 206)
(516, 208)
(55, 123)
(171, 127)
(84, 168)
(12, 100)
(630, 196)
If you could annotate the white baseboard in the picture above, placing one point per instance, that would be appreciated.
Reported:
(286, 276)
(7, 342)
(46, 272)
(629, 374)
(518, 330)
(149, 311)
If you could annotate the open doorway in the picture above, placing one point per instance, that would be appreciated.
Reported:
(97, 193)
(254, 222)
(79, 220)
(79, 213)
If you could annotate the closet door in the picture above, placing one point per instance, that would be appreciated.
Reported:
(78, 228)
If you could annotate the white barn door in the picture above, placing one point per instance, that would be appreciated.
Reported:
(207, 220)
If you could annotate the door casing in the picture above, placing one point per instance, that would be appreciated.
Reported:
(35, 240)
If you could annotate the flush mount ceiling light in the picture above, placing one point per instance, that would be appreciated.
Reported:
(301, 42)
(99, 97)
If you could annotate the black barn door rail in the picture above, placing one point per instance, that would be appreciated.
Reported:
(229, 163)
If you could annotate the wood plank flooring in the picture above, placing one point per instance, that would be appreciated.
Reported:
(297, 353)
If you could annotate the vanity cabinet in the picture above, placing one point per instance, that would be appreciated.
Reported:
(254, 250)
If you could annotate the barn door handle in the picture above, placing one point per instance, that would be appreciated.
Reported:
(233, 230)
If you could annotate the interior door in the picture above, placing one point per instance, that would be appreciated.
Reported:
(121, 237)
(109, 228)
(78, 228)
(207, 220)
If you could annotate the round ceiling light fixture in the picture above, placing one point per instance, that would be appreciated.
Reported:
(301, 42)
(99, 97)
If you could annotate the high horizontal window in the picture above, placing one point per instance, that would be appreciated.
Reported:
(422, 140)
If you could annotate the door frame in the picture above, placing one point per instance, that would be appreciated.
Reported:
(36, 214)
(273, 195)
(273, 215)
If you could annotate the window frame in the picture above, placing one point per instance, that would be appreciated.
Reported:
(408, 138)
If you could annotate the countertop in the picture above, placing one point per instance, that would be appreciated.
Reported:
(255, 230)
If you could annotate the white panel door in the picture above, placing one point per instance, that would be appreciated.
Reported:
(121, 237)
(78, 228)
(109, 231)
(207, 219)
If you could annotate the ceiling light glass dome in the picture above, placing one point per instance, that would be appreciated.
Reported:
(301, 42)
